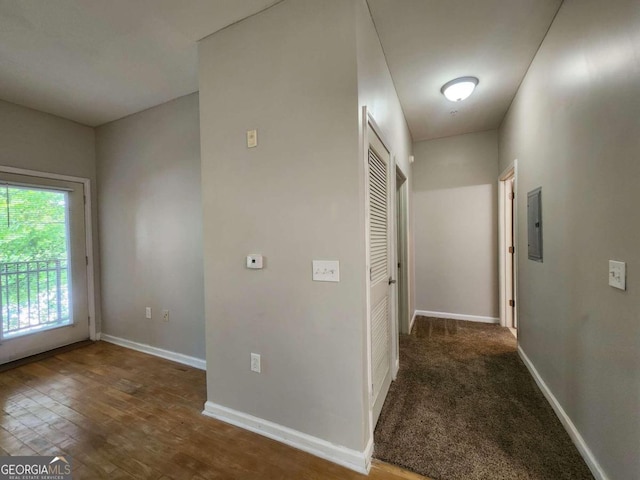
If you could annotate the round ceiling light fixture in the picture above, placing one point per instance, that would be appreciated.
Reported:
(460, 88)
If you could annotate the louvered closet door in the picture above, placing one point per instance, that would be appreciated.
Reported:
(380, 301)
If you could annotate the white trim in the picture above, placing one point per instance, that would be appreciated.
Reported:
(506, 173)
(368, 122)
(88, 222)
(403, 248)
(90, 269)
(158, 352)
(347, 457)
(413, 320)
(39, 174)
(368, 455)
(393, 271)
(457, 316)
(512, 169)
(571, 429)
(367, 249)
(378, 131)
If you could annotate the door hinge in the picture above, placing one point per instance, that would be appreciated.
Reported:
(512, 195)
(84, 199)
(86, 260)
(399, 265)
(89, 320)
(512, 303)
(512, 249)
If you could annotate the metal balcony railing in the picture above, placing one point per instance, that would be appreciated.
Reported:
(34, 296)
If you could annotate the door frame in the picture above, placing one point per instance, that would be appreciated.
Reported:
(88, 226)
(402, 250)
(510, 171)
(369, 121)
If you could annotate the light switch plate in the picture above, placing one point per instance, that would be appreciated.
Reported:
(256, 363)
(326, 271)
(252, 138)
(618, 274)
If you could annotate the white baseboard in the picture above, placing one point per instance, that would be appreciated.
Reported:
(349, 458)
(413, 320)
(368, 455)
(158, 352)
(457, 316)
(571, 429)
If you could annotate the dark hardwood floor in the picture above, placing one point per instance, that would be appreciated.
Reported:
(122, 414)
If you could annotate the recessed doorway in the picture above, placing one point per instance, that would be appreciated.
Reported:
(507, 244)
(402, 252)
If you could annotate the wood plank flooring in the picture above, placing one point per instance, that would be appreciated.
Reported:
(122, 414)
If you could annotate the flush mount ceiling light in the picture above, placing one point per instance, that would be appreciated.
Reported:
(459, 89)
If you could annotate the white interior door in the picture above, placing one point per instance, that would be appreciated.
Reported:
(378, 195)
(43, 265)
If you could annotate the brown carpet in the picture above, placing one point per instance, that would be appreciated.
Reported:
(464, 407)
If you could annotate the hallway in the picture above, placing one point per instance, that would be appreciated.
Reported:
(464, 406)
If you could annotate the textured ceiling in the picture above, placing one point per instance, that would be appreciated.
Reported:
(429, 42)
(94, 61)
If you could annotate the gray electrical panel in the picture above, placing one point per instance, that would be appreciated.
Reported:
(534, 224)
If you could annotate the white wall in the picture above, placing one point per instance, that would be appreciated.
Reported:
(39, 141)
(151, 226)
(455, 206)
(289, 72)
(377, 92)
(574, 129)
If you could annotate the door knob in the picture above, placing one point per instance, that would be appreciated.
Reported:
(391, 281)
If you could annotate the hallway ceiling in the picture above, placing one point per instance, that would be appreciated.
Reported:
(429, 42)
(94, 61)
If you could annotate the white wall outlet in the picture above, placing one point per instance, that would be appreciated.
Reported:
(326, 270)
(147, 312)
(165, 315)
(252, 138)
(618, 274)
(255, 363)
(254, 261)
